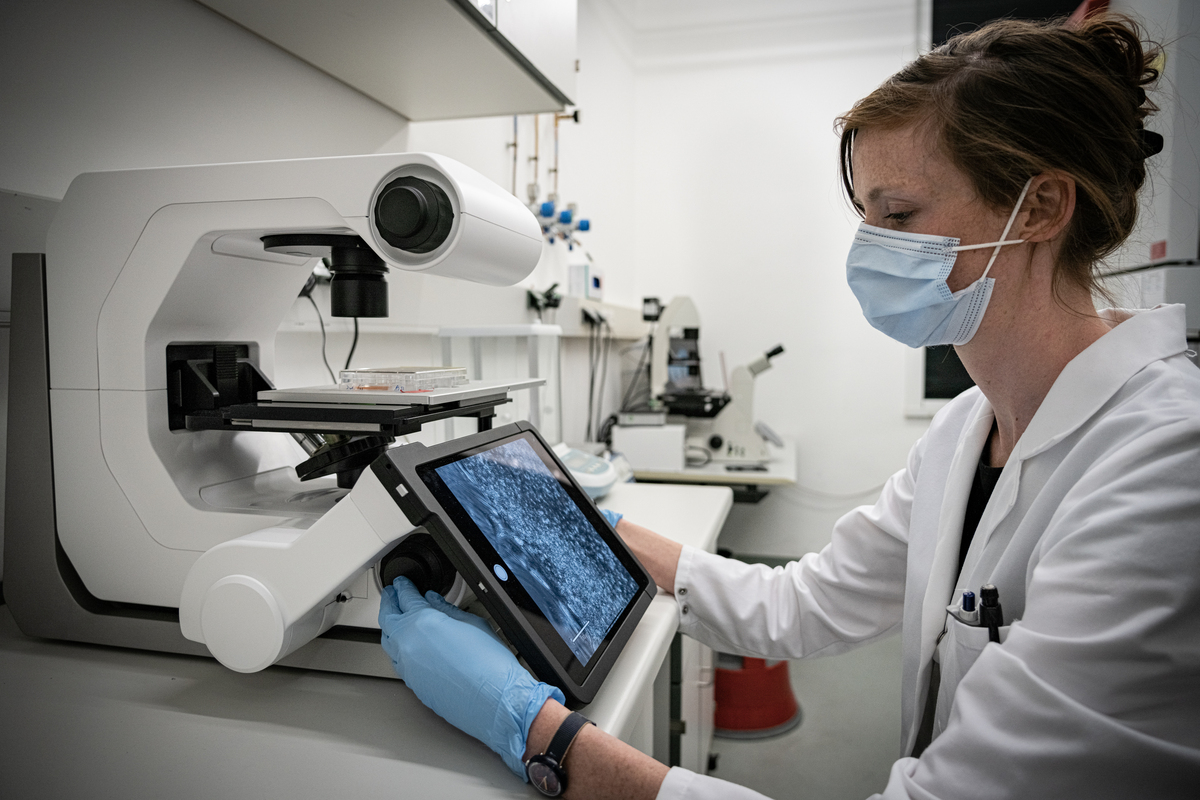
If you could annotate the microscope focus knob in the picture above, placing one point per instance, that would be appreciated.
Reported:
(419, 559)
(413, 215)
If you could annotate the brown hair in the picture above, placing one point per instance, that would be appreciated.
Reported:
(1015, 99)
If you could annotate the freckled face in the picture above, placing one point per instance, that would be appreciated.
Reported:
(903, 182)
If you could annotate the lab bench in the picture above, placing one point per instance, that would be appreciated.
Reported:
(749, 484)
(88, 721)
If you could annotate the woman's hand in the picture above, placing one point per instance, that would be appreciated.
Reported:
(657, 553)
(459, 668)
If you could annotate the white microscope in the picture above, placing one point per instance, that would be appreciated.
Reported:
(720, 425)
(717, 425)
(162, 494)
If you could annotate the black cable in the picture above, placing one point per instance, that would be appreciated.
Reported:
(605, 434)
(322, 322)
(353, 345)
(591, 376)
(607, 339)
(637, 374)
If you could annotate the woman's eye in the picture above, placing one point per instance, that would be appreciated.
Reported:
(899, 216)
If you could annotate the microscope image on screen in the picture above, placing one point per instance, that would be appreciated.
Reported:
(546, 541)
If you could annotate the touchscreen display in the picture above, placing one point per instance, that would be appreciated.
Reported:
(545, 540)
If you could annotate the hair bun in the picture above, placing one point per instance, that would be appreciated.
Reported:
(1152, 142)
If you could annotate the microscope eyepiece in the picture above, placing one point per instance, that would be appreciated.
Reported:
(413, 215)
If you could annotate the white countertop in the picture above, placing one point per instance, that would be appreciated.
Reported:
(780, 471)
(97, 722)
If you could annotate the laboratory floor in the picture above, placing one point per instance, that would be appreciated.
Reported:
(848, 739)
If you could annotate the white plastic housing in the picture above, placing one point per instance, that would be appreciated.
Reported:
(255, 599)
(138, 260)
(137, 257)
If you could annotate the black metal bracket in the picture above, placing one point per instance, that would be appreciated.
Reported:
(742, 492)
(749, 493)
(704, 404)
(208, 377)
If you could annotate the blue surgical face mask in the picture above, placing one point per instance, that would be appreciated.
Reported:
(900, 282)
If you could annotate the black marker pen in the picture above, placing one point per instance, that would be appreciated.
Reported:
(990, 613)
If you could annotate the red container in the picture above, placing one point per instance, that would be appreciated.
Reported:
(755, 701)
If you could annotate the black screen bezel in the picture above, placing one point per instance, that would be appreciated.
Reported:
(553, 641)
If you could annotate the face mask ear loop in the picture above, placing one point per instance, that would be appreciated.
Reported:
(1011, 219)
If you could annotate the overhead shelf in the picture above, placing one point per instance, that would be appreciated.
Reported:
(424, 59)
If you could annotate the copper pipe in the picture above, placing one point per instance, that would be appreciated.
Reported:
(557, 118)
(513, 145)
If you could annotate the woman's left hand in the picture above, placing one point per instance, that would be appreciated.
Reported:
(459, 668)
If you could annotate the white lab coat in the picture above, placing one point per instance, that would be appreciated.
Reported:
(1092, 537)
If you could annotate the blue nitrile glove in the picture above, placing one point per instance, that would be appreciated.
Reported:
(459, 668)
(612, 517)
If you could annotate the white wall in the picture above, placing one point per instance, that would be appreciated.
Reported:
(739, 206)
(1170, 207)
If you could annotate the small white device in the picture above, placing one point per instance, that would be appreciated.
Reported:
(594, 474)
(586, 280)
(651, 448)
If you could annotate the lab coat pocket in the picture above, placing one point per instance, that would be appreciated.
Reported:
(957, 653)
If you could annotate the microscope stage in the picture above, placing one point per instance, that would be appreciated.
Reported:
(454, 394)
(358, 412)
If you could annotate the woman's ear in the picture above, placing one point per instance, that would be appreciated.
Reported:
(1049, 205)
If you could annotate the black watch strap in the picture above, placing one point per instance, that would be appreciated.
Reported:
(565, 735)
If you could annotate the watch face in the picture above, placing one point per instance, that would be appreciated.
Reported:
(544, 775)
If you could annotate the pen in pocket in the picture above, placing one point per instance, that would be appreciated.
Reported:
(990, 613)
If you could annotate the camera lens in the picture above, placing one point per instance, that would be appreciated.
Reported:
(413, 215)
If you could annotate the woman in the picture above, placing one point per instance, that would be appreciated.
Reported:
(992, 175)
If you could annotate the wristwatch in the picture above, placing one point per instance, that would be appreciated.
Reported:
(545, 770)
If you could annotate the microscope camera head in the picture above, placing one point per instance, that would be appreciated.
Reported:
(420, 214)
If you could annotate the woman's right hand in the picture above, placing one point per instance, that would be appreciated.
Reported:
(658, 554)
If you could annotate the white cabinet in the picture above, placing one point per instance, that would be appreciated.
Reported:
(696, 705)
(544, 32)
(429, 59)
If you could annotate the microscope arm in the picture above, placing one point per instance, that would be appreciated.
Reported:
(255, 599)
(763, 362)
